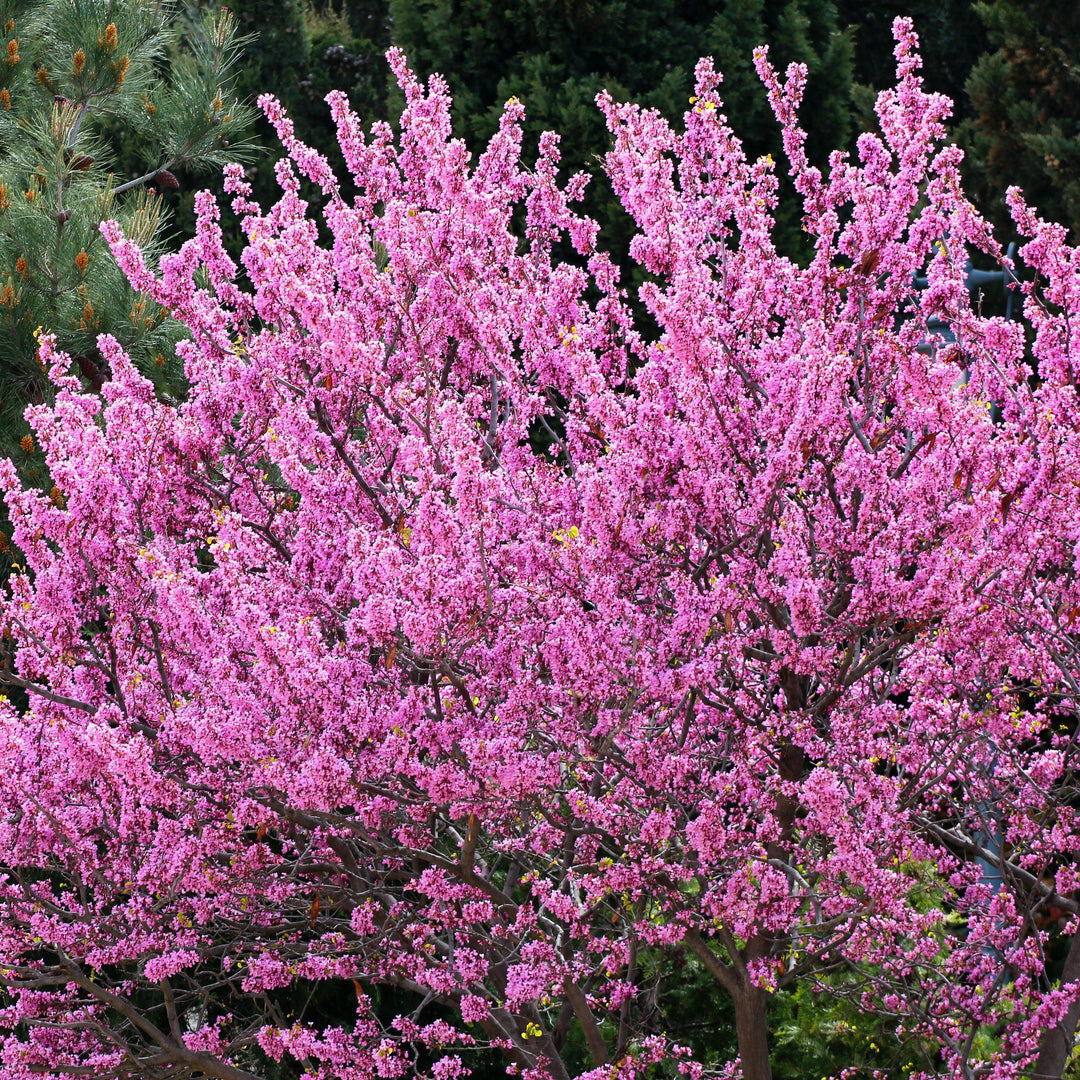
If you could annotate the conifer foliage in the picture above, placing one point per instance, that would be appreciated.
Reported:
(1025, 96)
(77, 76)
(768, 660)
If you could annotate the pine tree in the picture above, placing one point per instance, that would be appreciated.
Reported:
(299, 50)
(80, 79)
(1026, 102)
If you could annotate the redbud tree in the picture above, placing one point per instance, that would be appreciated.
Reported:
(469, 635)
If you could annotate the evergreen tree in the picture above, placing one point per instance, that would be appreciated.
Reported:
(1026, 102)
(347, 53)
(102, 102)
(78, 78)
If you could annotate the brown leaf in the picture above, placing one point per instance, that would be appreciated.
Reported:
(868, 263)
(314, 912)
(91, 371)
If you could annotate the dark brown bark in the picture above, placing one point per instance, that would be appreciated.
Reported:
(593, 1039)
(1057, 1043)
(751, 1004)
(752, 1031)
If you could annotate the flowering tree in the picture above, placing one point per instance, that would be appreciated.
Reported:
(335, 678)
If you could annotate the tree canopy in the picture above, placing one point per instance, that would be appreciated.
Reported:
(1025, 97)
(765, 664)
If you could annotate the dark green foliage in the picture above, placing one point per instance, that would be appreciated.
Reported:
(1025, 98)
(348, 53)
(554, 55)
(279, 47)
(808, 31)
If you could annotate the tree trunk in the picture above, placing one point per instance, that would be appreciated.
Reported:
(752, 1030)
(1056, 1044)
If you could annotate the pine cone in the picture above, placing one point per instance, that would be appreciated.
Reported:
(167, 180)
